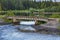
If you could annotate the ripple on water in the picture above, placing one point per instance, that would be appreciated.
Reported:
(8, 32)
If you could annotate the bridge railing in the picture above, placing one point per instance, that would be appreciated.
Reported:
(26, 17)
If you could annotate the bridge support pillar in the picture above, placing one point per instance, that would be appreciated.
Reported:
(36, 22)
(15, 22)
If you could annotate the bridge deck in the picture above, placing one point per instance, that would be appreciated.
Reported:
(27, 18)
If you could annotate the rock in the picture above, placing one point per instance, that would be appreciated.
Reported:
(27, 28)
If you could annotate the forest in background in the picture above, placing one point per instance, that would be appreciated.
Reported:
(44, 6)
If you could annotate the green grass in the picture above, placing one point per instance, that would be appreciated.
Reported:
(58, 27)
(21, 11)
(2, 16)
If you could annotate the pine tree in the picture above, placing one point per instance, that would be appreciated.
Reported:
(0, 7)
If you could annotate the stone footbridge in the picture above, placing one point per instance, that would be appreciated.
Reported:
(15, 18)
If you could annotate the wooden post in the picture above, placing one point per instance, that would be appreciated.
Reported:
(14, 20)
(36, 21)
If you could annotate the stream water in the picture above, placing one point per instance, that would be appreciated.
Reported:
(9, 32)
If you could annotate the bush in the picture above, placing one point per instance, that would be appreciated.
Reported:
(55, 15)
(58, 27)
(53, 9)
(9, 13)
(40, 22)
(8, 20)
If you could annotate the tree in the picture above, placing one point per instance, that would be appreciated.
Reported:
(19, 5)
(0, 7)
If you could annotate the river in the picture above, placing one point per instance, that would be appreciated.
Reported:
(9, 32)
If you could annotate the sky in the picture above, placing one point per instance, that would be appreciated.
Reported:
(53, 0)
(58, 0)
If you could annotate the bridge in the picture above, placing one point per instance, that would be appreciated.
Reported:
(15, 18)
(36, 19)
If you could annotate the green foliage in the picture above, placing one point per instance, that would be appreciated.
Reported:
(9, 13)
(31, 14)
(32, 10)
(42, 14)
(44, 6)
(0, 8)
(7, 20)
(58, 27)
(42, 10)
(53, 9)
(40, 22)
(2, 16)
(55, 16)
